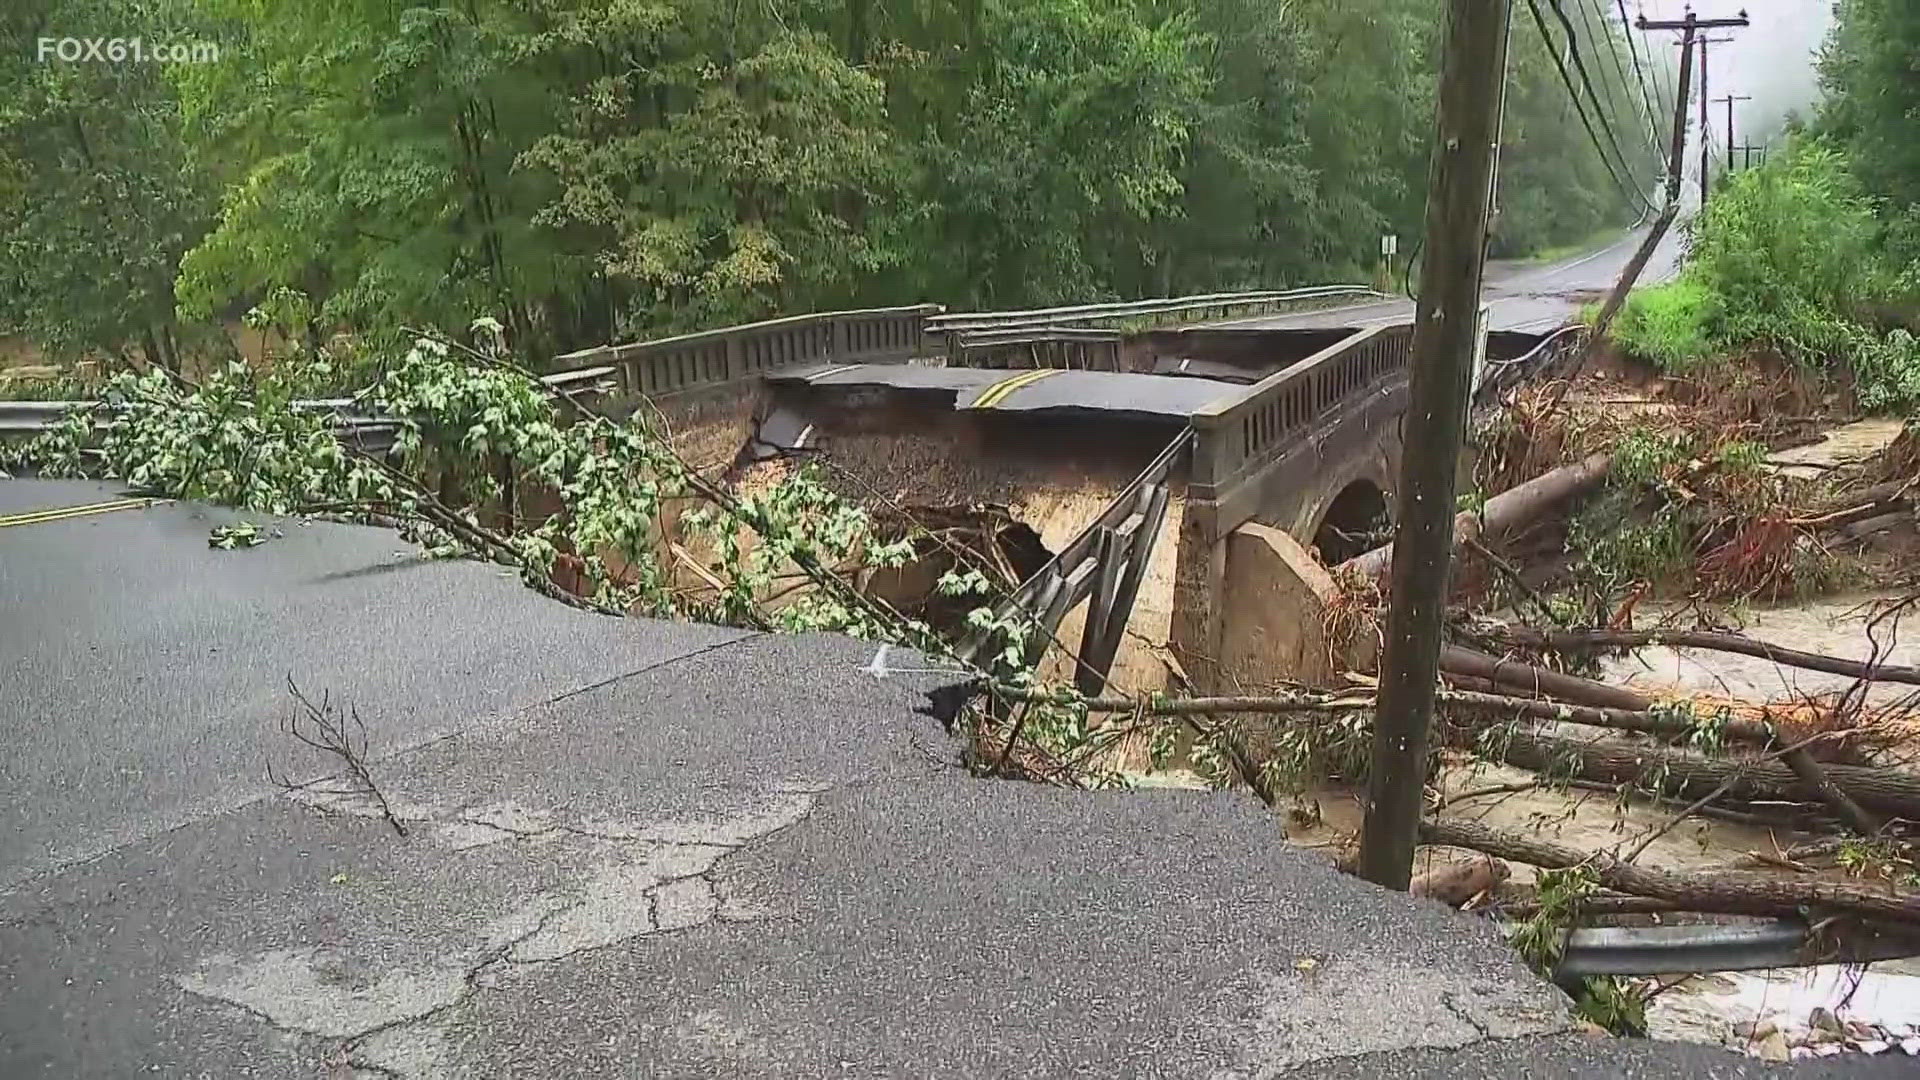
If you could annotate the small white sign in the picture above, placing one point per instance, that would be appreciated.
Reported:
(1389, 245)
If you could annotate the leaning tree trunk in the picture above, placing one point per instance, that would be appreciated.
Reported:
(1731, 892)
(1457, 660)
(1877, 789)
(1504, 511)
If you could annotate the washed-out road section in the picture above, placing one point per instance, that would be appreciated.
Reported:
(632, 849)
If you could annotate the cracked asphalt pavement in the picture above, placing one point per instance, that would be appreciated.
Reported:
(633, 849)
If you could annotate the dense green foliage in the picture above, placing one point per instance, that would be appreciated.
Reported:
(1871, 107)
(1791, 258)
(586, 171)
(1815, 256)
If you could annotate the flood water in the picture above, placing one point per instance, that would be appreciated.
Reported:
(1783, 1014)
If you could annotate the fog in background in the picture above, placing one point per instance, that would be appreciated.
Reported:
(1772, 60)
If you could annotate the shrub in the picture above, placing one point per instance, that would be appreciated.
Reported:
(1792, 258)
(1667, 325)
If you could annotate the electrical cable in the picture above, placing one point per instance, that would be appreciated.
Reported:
(1640, 72)
(1599, 107)
(1593, 22)
(1629, 190)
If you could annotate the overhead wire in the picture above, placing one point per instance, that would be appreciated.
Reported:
(1579, 105)
(1586, 81)
(1594, 22)
(1639, 70)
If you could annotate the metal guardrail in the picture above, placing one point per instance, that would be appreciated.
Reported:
(1130, 309)
(28, 417)
(1106, 561)
(1244, 431)
(1699, 949)
(19, 417)
(734, 353)
(1499, 376)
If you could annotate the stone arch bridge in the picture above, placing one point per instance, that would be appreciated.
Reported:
(1223, 452)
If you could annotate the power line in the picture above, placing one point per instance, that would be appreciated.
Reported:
(1639, 72)
(1566, 80)
(1580, 65)
(1592, 23)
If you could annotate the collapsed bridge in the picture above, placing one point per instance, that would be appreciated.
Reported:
(1175, 477)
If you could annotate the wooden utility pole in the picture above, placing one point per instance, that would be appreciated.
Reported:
(1676, 155)
(1459, 189)
(1730, 99)
(1706, 125)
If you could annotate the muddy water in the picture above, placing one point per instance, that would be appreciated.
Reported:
(1769, 1014)
(1784, 1014)
(1834, 625)
(1780, 1014)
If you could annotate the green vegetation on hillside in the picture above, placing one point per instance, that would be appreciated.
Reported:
(585, 171)
(1815, 256)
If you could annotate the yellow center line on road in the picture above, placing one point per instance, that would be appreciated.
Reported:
(998, 392)
(62, 513)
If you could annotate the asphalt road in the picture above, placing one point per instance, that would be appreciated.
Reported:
(1535, 298)
(633, 849)
(1115, 394)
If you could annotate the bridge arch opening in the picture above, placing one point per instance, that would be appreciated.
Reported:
(1353, 524)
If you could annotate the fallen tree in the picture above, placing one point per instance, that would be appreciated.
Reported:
(1862, 503)
(1671, 771)
(1504, 511)
(1519, 675)
(1588, 640)
(1458, 702)
(1733, 892)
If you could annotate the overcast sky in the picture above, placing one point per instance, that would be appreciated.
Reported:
(1772, 60)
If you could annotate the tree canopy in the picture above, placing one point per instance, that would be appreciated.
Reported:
(586, 170)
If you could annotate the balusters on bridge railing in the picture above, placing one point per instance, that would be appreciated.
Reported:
(1242, 431)
(737, 353)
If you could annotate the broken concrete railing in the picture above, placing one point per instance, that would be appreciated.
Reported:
(735, 354)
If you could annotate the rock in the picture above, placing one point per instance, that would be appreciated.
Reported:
(1821, 1019)
(1873, 1046)
(1460, 882)
(1829, 1049)
(1911, 1045)
(1753, 1030)
(1772, 1048)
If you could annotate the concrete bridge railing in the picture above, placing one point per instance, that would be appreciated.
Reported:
(1059, 336)
(1241, 440)
(1280, 454)
(733, 354)
(1069, 348)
